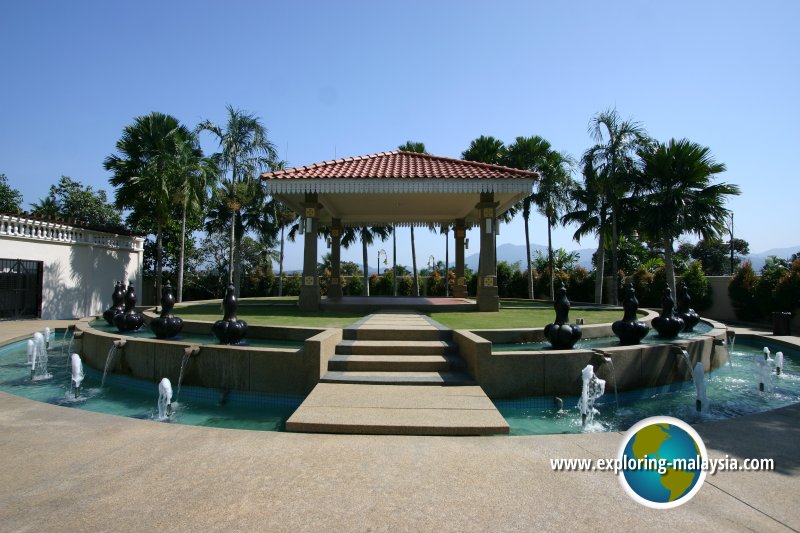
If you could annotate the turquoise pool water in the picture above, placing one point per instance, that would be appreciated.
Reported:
(135, 398)
(600, 342)
(731, 390)
(146, 333)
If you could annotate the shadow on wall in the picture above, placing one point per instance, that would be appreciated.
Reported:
(59, 300)
(94, 272)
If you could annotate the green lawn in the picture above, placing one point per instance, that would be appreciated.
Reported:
(271, 315)
(520, 318)
(535, 315)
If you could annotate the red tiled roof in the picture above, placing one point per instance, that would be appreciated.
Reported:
(400, 164)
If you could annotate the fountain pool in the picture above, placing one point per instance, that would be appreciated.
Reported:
(731, 390)
(136, 398)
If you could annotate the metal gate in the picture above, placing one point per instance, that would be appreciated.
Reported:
(20, 289)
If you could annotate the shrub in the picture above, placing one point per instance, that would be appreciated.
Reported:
(434, 284)
(355, 286)
(405, 285)
(291, 285)
(542, 289)
(698, 286)
(580, 287)
(742, 292)
(787, 292)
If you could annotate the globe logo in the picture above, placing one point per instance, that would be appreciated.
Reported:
(661, 462)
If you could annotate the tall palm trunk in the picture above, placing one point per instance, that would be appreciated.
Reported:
(181, 255)
(526, 216)
(394, 259)
(669, 266)
(280, 267)
(237, 261)
(447, 262)
(599, 271)
(614, 259)
(159, 261)
(231, 261)
(365, 289)
(414, 262)
(550, 260)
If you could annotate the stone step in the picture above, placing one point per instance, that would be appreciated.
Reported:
(397, 410)
(399, 332)
(396, 363)
(359, 347)
(397, 378)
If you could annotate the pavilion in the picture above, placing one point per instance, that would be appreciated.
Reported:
(400, 188)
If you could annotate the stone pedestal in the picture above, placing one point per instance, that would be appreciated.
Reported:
(309, 290)
(487, 295)
(460, 287)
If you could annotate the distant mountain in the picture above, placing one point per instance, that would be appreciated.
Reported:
(516, 252)
(512, 253)
(759, 259)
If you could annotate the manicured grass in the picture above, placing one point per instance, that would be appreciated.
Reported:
(520, 318)
(267, 315)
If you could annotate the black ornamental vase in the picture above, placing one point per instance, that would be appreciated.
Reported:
(167, 325)
(229, 330)
(561, 334)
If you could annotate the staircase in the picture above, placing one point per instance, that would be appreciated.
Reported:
(402, 355)
(397, 373)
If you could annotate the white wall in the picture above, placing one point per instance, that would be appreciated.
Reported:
(80, 266)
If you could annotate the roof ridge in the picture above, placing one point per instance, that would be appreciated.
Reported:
(476, 163)
(350, 159)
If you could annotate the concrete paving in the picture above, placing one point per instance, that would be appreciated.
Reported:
(69, 470)
(397, 410)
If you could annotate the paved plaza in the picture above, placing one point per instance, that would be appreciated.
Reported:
(70, 470)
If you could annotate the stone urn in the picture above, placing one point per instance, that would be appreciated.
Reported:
(629, 329)
(561, 334)
(668, 325)
(117, 305)
(230, 330)
(167, 325)
(688, 315)
(129, 320)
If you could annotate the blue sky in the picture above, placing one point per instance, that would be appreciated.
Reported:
(352, 78)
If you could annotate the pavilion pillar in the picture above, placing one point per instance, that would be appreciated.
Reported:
(335, 283)
(460, 287)
(487, 295)
(309, 291)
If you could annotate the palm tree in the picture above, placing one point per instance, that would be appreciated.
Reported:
(145, 174)
(245, 151)
(484, 149)
(676, 177)
(417, 147)
(590, 212)
(197, 176)
(247, 216)
(552, 197)
(367, 236)
(614, 159)
(527, 153)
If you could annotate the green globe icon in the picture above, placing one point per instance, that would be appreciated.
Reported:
(662, 460)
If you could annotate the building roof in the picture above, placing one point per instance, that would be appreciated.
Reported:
(399, 187)
(400, 164)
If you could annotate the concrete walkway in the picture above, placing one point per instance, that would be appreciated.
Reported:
(69, 470)
(406, 378)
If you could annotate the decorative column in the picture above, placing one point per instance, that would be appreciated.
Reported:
(460, 287)
(309, 291)
(335, 283)
(488, 299)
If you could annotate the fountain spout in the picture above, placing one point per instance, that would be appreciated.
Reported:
(701, 403)
(164, 399)
(77, 373)
(778, 363)
(593, 388)
(120, 343)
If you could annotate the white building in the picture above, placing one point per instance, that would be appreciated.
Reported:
(51, 269)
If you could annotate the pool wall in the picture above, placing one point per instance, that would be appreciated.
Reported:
(549, 372)
(241, 368)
